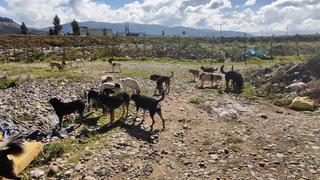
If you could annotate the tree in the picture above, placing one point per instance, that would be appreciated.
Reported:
(75, 27)
(51, 32)
(184, 32)
(56, 25)
(163, 33)
(104, 31)
(24, 29)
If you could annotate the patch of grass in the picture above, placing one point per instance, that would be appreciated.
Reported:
(52, 151)
(248, 90)
(233, 140)
(206, 142)
(8, 83)
(135, 74)
(197, 100)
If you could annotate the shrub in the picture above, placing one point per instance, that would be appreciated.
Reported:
(8, 83)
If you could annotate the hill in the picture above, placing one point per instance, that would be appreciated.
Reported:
(153, 29)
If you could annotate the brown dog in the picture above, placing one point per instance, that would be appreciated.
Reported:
(205, 77)
(195, 73)
(57, 64)
(106, 78)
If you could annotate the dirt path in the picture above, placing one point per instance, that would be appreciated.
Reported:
(262, 141)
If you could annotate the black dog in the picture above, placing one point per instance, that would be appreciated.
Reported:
(93, 99)
(147, 103)
(159, 81)
(237, 80)
(62, 108)
(111, 103)
(7, 165)
(208, 69)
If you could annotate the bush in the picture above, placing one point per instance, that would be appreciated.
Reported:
(313, 65)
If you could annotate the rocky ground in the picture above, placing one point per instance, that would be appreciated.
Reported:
(208, 135)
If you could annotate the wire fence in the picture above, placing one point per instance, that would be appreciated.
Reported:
(69, 48)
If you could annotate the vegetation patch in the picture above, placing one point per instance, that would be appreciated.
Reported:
(8, 82)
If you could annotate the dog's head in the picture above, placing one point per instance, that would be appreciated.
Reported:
(134, 96)
(54, 101)
(108, 91)
(154, 77)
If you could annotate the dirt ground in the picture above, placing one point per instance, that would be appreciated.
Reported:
(209, 135)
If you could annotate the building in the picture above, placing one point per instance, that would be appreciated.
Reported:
(85, 31)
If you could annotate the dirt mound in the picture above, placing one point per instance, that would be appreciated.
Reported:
(275, 80)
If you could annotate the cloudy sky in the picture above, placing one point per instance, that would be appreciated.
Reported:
(240, 15)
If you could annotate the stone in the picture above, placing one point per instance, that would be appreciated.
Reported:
(53, 170)
(89, 178)
(37, 173)
(302, 104)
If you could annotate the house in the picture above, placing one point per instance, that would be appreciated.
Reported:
(85, 31)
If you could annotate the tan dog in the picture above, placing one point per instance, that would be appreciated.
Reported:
(205, 77)
(195, 73)
(115, 65)
(106, 78)
(57, 64)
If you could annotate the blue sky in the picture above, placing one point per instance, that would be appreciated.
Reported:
(244, 15)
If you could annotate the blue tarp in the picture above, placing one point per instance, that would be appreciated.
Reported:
(253, 53)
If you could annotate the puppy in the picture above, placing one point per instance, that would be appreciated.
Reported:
(205, 77)
(57, 64)
(62, 108)
(111, 103)
(195, 73)
(115, 65)
(150, 104)
(106, 78)
(159, 83)
(14, 147)
(208, 69)
(116, 87)
(236, 77)
(130, 83)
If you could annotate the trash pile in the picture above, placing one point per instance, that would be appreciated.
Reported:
(289, 79)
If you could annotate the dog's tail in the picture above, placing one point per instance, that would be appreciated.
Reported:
(171, 74)
(221, 69)
(162, 97)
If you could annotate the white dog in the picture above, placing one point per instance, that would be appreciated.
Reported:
(130, 83)
(116, 87)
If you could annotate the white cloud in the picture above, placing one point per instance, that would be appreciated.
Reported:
(250, 2)
(297, 14)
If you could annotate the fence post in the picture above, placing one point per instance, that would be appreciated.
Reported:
(245, 48)
(212, 47)
(297, 45)
(271, 47)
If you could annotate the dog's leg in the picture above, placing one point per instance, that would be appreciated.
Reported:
(111, 116)
(127, 108)
(136, 116)
(168, 87)
(123, 110)
(159, 112)
(152, 113)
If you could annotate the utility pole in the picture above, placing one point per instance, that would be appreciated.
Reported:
(297, 45)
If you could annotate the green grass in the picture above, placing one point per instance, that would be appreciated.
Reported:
(197, 100)
(8, 83)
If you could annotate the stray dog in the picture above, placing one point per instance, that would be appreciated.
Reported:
(209, 77)
(195, 73)
(159, 81)
(114, 65)
(236, 77)
(57, 64)
(13, 147)
(116, 87)
(150, 104)
(62, 108)
(106, 78)
(208, 69)
(93, 99)
(111, 103)
(132, 84)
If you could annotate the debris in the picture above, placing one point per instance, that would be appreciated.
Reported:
(302, 104)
